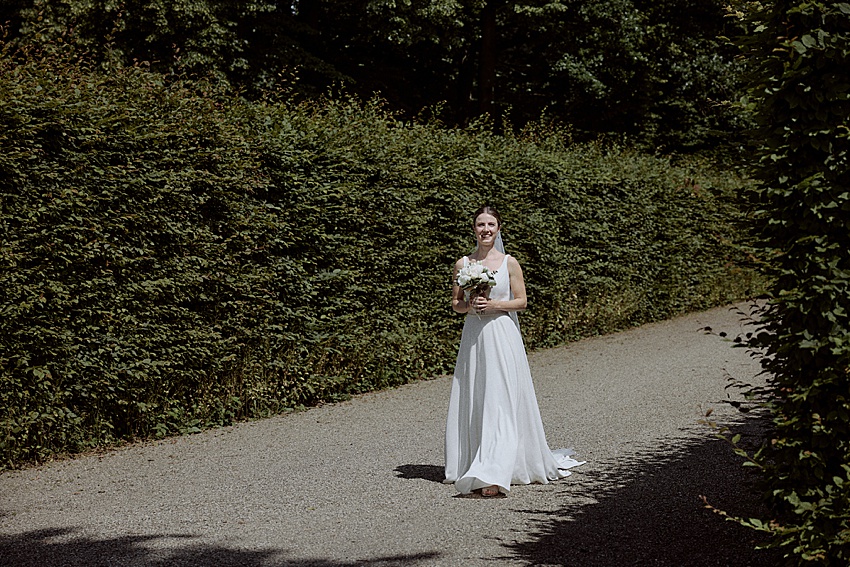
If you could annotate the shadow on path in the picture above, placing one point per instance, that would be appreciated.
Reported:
(433, 473)
(66, 548)
(646, 510)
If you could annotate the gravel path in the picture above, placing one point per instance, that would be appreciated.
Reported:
(358, 483)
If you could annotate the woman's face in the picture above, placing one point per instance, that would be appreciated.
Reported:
(486, 229)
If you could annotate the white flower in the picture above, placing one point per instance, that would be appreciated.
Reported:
(475, 275)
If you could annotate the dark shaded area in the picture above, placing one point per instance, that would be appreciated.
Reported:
(62, 548)
(649, 511)
(434, 473)
(652, 71)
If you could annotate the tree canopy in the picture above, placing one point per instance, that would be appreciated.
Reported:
(654, 71)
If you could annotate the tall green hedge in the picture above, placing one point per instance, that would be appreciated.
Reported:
(800, 97)
(173, 258)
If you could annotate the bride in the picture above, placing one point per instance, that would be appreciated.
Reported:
(494, 434)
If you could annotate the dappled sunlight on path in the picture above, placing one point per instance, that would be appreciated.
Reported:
(67, 548)
(646, 509)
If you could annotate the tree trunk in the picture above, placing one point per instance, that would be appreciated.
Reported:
(487, 77)
(465, 87)
(308, 12)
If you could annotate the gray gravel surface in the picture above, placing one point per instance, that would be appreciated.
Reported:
(359, 482)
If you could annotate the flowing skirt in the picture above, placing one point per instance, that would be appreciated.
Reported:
(494, 433)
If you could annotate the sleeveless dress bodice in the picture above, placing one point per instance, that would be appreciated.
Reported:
(502, 290)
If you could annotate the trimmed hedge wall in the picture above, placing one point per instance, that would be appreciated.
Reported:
(173, 258)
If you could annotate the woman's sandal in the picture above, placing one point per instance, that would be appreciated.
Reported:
(486, 492)
(491, 492)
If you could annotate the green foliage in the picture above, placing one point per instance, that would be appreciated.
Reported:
(800, 96)
(192, 36)
(654, 71)
(173, 258)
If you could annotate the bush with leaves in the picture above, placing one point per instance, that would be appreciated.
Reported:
(800, 97)
(653, 70)
(173, 257)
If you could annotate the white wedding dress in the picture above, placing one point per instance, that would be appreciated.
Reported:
(494, 434)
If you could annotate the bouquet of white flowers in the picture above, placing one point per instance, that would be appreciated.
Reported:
(475, 278)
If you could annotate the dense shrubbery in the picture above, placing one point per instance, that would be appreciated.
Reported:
(173, 258)
(800, 53)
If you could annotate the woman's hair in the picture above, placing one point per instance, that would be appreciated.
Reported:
(487, 210)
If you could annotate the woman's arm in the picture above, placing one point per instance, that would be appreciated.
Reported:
(459, 302)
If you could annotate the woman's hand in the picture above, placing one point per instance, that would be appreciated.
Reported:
(481, 304)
